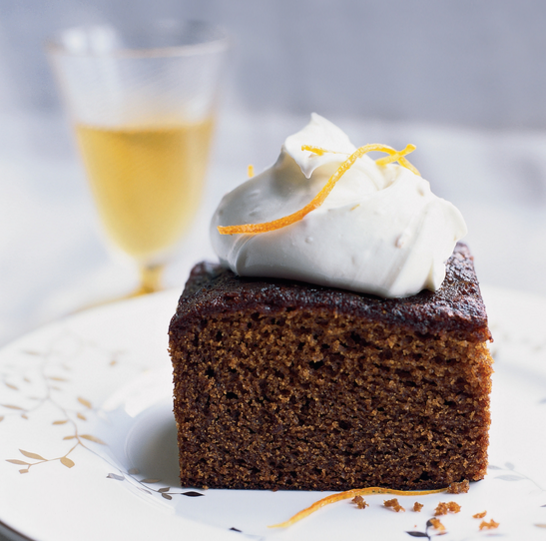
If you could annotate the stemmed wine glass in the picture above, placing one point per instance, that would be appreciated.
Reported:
(142, 102)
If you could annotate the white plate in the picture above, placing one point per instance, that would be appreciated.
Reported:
(86, 402)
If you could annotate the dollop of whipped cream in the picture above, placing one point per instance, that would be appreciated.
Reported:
(380, 231)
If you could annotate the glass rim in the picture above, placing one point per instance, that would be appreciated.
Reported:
(55, 46)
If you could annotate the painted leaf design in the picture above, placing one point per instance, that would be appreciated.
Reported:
(12, 407)
(509, 465)
(540, 525)
(23, 471)
(166, 496)
(85, 402)
(417, 534)
(115, 476)
(18, 462)
(92, 438)
(1, 418)
(28, 454)
(69, 437)
(65, 461)
(81, 416)
(134, 471)
(11, 386)
(164, 489)
(61, 422)
(510, 477)
(192, 494)
(24, 416)
(491, 467)
(56, 378)
(150, 480)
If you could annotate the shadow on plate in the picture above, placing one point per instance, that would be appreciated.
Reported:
(151, 444)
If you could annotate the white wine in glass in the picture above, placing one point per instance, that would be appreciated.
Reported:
(143, 106)
(147, 182)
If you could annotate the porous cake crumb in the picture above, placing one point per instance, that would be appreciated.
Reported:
(444, 508)
(437, 524)
(394, 505)
(360, 502)
(287, 385)
(459, 488)
(491, 525)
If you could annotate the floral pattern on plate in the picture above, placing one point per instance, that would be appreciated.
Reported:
(86, 403)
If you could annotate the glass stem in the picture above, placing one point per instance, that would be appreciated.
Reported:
(150, 279)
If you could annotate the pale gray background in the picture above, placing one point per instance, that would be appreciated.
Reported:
(470, 62)
(465, 80)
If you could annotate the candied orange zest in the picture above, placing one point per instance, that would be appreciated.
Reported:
(398, 156)
(350, 494)
(393, 155)
(319, 151)
(313, 204)
(315, 150)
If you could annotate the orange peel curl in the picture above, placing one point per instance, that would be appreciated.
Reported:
(317, 201)
(351, 494)
(319, 151)
(399, 156)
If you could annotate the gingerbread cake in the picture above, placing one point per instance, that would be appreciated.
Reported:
(287, 385)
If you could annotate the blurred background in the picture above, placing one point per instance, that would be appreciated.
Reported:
(464, 80)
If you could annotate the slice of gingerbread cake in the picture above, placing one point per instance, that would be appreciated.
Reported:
(283, 385)
(341, 342)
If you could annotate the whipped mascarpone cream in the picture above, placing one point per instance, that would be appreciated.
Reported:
(381, 230)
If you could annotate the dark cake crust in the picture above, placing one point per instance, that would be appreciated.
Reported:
(457, 307)
(281, 385)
